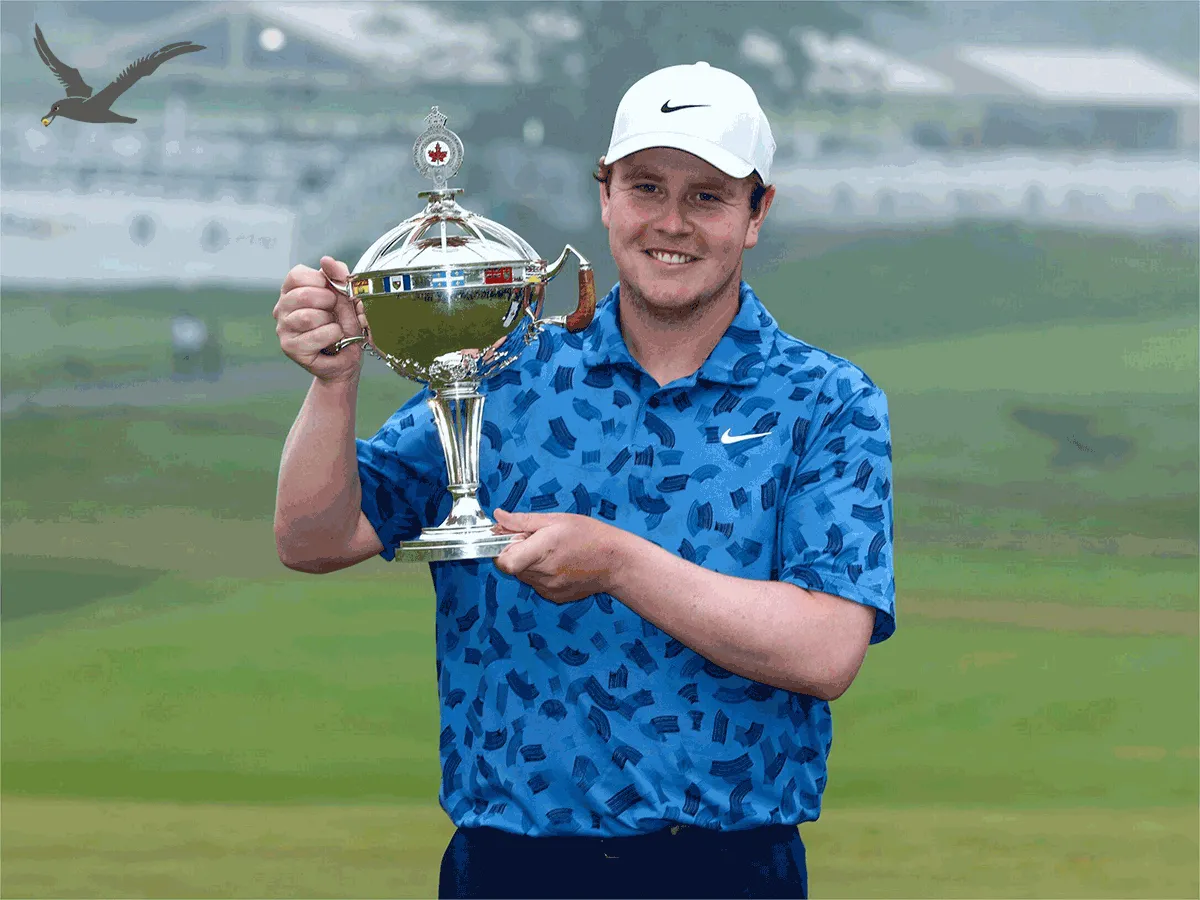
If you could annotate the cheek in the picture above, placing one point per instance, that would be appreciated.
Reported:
(727, 235)
(626, 227)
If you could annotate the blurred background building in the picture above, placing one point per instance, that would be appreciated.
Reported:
(290, 135)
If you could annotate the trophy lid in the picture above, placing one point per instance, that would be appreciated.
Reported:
(445, 234)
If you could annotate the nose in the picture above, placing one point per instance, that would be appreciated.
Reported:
(672, 219)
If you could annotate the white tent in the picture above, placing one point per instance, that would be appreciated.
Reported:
(1106, 83)
(1076, 76)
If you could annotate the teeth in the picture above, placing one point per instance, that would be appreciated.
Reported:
(671, 258)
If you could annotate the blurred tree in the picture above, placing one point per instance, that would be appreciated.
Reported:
(623, 41)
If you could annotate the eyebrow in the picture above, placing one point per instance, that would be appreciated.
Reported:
(713, 185)
(637, 173)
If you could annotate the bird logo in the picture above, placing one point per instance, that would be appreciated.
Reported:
(80, 104)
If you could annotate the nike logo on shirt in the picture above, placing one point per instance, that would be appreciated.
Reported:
(728, 438)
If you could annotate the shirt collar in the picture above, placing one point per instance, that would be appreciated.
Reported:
(738, 359)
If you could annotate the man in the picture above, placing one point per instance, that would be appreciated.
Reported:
(635, 696)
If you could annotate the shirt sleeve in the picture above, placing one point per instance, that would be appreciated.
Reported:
(836, 534)
(403, 474)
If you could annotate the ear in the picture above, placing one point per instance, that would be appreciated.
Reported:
(756, 220)
(604, 199)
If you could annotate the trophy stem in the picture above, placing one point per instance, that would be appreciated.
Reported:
(466, 533)
(458, 415)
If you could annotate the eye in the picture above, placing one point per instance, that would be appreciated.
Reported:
(645, 188)
(706, 197)
(54, 108)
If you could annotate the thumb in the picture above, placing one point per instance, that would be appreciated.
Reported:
(347, 307)
(335, 269)
(527, 522)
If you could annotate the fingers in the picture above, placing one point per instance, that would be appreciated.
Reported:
(308, 344)
(306, 291)
(302, 276)
(307, 297)
(349, 310)
(335, 269)
(520, 555)
(309, 319)
(499, 528)
(305, 319)
(311, 316)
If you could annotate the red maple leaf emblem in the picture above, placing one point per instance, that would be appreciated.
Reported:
(437, 154)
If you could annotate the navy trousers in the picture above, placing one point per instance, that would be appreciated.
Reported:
(684, 861)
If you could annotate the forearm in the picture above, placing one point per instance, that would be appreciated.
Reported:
(768, 631)
(319, 496)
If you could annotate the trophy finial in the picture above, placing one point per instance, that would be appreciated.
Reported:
(438, 152)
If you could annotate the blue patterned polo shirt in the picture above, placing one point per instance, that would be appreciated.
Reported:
(772, 461)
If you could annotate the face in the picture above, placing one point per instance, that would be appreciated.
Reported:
(677, 227)
(49, 117)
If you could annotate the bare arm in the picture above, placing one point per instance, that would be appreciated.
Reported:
(319, 523)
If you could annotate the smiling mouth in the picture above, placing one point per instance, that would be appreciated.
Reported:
(670, 259)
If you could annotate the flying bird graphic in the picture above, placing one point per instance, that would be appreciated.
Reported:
(79, 104)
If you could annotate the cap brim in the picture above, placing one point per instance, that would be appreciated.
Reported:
(716, 156)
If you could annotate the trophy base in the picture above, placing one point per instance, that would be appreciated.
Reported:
(443, 544)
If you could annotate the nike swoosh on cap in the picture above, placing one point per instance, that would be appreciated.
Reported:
(727, 438)
(668, 108)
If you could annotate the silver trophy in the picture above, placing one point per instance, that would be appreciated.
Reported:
(450, 299)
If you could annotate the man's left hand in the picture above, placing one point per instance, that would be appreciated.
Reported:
(565, 557)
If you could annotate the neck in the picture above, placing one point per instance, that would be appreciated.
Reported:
(673, 343)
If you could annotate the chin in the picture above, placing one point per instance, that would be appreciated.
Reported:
(669, 296)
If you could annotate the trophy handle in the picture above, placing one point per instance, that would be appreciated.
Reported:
(585, 309)
(344, 290)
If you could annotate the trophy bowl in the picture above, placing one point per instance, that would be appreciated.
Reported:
(451, 298)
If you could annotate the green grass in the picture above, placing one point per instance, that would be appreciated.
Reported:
(52, 338)
(1098, 470)
(37, 585)
(880, 289)
(1143, 357)
(998, 717)
(73, 848)
(222, 459)
(1030, 577)
(253, 691)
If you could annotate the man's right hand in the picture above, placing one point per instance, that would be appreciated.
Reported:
(311, 316)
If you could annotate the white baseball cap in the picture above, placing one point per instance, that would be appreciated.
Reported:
(701, 110)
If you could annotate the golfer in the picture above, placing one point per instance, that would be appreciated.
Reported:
(635, 698)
